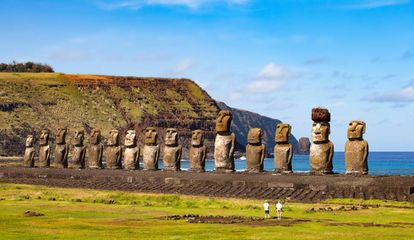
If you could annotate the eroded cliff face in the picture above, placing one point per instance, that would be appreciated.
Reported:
(32, 101)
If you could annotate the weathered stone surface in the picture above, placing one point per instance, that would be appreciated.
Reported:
(356, 149)
(29, 153)
(283, 149)
(198, 152)
(321, 115)
(255, 151)
(44, 150)
(113, 152)
(303, 146)
(60, 159)
(131, 151)
(150, 151)
(224, 143)
(78, 151)
(172, 151)
(95, 150)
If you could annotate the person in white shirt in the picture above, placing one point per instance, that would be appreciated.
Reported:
(266, 206)
(279, 207)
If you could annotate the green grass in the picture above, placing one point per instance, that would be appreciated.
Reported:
(125, 215)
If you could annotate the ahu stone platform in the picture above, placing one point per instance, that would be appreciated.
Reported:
(295, 187)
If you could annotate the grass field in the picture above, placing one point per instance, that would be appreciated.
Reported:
(91, 214)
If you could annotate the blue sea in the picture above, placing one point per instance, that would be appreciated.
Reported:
(392, 163)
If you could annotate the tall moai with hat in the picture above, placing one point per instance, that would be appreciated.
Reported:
(356, 149)
(224, 144)
(283, 151)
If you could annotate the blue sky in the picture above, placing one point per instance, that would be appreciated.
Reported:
(277, 58)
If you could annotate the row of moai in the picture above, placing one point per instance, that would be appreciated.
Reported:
(127, 156)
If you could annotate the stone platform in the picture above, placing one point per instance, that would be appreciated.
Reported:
(295, 187)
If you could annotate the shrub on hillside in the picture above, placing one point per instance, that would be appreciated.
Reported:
(25, 67)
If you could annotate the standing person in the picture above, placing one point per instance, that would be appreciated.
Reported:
(266, 206)
(279, 207)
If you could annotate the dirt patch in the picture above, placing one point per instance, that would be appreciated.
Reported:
(363, 225)
(32, 214)
(340, 208)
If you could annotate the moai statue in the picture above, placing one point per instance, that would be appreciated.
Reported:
(95, 150)
(44, 150)
(29, 152)
(224, 143)
(61, 149)
(198, 152)
(131, 151)
(356, 149)
(255, 151)
(150, 151)
(322, 150)
(78, 151)
(113, 151)
(283, 151)
(172, 151)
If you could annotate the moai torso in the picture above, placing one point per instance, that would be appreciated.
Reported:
(78, 151)
(150, 151)
(356, 149)
(172, 151)
(113, 153)
(255, 151)
(131, 151)
(283, 149)
(44, 151)
(224, 143)
(95, 150)
(198, 152)
(29, 152)
(61, 150)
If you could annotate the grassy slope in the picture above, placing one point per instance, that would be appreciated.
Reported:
(135, 215)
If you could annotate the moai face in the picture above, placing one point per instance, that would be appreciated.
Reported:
(197, 138)
(356, 129)
(223, 121)
(61, 135)
(171, 137)
(29, 141)
(79, 137)
(151, 136)
(44, 137)
(320, 132)
(95, 137)
(131, 138)
(282, 133)
(255, 136)
(113, 138)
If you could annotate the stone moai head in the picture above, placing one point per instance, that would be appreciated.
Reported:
(95, 137)
(171, 137)
(61, 135)
(356, 129)
(29, 141)
(223, 121)
(130, 138)
(44, 137)
(254, 136)
(78, 138)
(321, 127)
(197, 138)
(282, 133)
(151, 136)
(113, 139)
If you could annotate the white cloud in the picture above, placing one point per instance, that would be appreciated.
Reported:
(271, 77)
(370, 4)
(137, 4)
(405, 94)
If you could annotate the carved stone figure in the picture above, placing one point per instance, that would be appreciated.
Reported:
(113, 151)
(95, 150)
(61, 150)
(303, 146)
(29, 152)
(224, 143)
(283, 151)
(131, 151)
(44, 151)
(172, 151)
(151, 151)
(356, 149)
(78, 150)
(255, 151)
(322, 150)
(198, 152)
